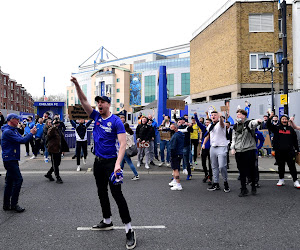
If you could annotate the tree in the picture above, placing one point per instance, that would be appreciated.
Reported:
(51, 98)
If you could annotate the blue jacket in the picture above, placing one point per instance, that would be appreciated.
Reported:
(28, 127)
(259, 137)
(204, 132)
(39, 130)
(155, 125)
(177, 144)
(11, 140)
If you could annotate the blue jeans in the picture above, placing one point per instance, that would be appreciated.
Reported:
(129, 162)
(186, 158)
(13, 183)
(46, 153)
(164, 144)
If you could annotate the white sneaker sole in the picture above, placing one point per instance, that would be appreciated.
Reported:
(176, 188)
(103, 229)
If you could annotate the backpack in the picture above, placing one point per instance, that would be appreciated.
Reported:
(246, 126)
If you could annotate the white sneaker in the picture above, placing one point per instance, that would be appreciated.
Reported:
(138, 164)
(280, 182)
(147, 166)
(26, 155)
(173, 183)
(160, 164)
(177, 187)
(185, 171)
(46, 160)
(168, 164)
(78, 168)
(33, 157)
(296, 184)
(84, 161)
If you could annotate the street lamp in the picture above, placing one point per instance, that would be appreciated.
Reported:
(265, 66)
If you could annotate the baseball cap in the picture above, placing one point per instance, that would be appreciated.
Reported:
(13, 116)
(116, 180)
(103, 98)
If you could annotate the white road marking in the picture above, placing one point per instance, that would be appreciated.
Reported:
(117, 227)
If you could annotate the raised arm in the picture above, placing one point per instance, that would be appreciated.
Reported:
(85, 104)
(200, 125)
(294, 126)
(222, 124)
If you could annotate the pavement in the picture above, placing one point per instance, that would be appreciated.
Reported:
(59, 216)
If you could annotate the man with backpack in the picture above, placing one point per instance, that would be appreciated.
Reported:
(244, 147)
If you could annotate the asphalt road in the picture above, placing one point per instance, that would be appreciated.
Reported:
(193, 218)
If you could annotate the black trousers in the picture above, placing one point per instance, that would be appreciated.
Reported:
(204, 156)
(246, 165)
(288, 157)
(195, 142)
(31, 142)
(81, 145)
(102, 171)
(37, 146)
(55, 161)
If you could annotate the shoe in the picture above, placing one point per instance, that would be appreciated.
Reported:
(185, 171)
(17, 208)
(130, 239)
(168, 164)
(196, 163)
(103, 226)
(135, 178)
(257, 185)
(275, 164)
(189, 177)
(176, 187)
(59, 180)
(244, 192)
(214, 187)
(84, 161)
(152, 163)
(253, 190)
(73, 157)
(226, 187)
(78, 168)
(138, 164)
(27, 154)
(33, 157)
(160, 164)
(6, 207)
(147, 166)
(156, 157)
(280, 182)
(49, 176)
(296, 184)
(205, 179)
(172, 183)
(46, 160)
(62, 155)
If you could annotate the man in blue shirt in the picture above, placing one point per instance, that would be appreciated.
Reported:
(11, 140)
(30, 124)
(38, 137)
(107, 129)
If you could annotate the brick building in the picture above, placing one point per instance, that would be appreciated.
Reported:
(13, 96)
(225, 51)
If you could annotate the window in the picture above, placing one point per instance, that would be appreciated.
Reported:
(118, 100)
(149, 89)
(118, 90)
(17, 90)
(72, 98)
(11, 97)
(170, 84)
(261, 23)
(84, 89)
(185, 83)
(4, 105)
(4, 93)
(118, 79)
(255, 63)
(12, 86)
(4, 81)
(118, 109)
(71, 90)
(280, 25)
(11, 107)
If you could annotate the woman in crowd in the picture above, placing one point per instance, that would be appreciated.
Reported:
(129, 143)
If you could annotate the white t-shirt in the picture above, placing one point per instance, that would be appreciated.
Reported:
(218, 136)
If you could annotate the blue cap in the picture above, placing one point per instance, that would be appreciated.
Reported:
(13, 116)
(103, 98)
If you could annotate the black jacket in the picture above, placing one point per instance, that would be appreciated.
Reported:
(285, 137)
(187, 134)
(143, 132)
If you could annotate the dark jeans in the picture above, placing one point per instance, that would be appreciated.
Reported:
(195, 142)
(81, 145)
(204, 156)
(13, 183)
(55, 160)
(246, 165)
(37, 146)
(288, 157)
(102, 171)
(31, 144)
(164, 144)
(186, 158)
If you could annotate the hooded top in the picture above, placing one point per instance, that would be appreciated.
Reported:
(11, 140)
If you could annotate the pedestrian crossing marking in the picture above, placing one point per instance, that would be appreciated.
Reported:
(272, 169)
(122, 227)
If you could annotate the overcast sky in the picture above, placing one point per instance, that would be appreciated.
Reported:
(52, 38)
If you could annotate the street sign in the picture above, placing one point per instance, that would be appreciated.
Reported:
(283, 99)
(281, 111)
